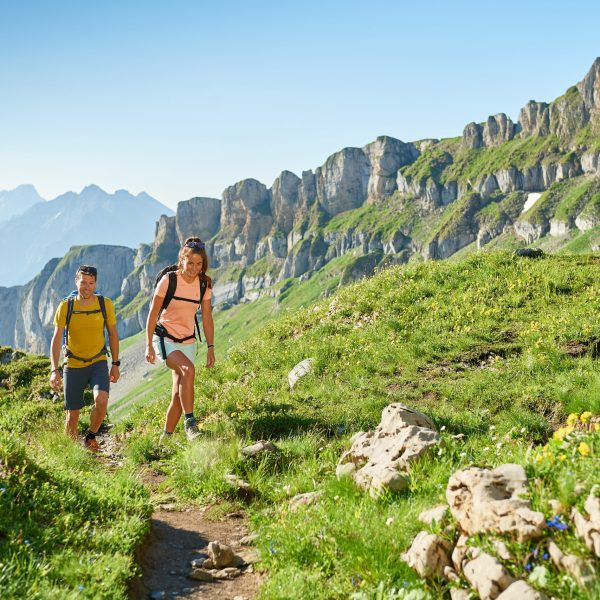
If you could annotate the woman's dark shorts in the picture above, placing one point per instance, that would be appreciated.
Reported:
(76, 380)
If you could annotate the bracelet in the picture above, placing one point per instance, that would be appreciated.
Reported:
(57, 370)
(210, 345)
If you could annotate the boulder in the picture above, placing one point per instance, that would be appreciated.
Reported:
(491, 501)
(580, 569)
(436, 514)
(220, 554)
(380, 458)
(260, 447)
(588, 529)
(428, 555)
(303, 368)
(305, 499)
(521, 590)
(488, 576)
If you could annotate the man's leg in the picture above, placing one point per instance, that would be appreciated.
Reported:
(99, 410)
(71, 419)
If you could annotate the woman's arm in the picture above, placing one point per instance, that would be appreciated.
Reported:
(209, 331)
(150, 325)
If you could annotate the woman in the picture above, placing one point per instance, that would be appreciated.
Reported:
(178, 321)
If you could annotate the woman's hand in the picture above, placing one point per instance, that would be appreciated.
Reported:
(150, 354)
(210, 357)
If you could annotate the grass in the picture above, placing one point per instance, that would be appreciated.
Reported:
(67, 527)
(482, 345)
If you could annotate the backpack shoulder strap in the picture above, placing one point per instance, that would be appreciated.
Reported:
(70, 304)
(102, 303)
(203, 287)
(170, 289)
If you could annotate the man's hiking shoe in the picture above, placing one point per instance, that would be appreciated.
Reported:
(191, 429)
(92, 445)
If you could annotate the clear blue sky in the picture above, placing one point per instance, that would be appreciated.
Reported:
(183, 98)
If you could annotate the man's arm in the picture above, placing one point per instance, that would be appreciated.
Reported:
(113, 342)
(55, 344)
(209, 331)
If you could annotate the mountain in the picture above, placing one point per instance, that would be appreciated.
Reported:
(49, 229)
(501, 184)
(17, 201)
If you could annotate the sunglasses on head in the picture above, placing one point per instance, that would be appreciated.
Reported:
(86, 270)
(199, 245)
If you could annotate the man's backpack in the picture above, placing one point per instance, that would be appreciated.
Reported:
(160, 330)
(70, 312)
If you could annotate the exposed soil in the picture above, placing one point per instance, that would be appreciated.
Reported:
(178, 535)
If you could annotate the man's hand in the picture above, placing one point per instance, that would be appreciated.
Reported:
(114, 374)
(56, 380)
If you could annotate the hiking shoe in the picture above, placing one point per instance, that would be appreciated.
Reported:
(191, 429)
(92, 445)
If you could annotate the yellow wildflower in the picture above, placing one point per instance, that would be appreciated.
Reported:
(585, 417)
(583, 449)
(572, 419)
(562, 457)
(596, 426)
(562, 433)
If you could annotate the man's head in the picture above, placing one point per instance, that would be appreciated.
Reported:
(85, 281)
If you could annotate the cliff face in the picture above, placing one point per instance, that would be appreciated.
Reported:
(388, 201)
(35, 303)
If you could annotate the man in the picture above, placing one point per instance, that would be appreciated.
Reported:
(85, 353)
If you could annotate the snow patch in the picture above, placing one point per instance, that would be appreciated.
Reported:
(531, 200)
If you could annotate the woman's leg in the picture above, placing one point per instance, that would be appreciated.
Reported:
(183, 375)
(174, 411)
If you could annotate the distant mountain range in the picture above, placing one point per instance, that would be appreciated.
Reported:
(32, 231)
(16, 202)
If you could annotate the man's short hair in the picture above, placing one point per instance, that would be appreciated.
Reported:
(87, 270)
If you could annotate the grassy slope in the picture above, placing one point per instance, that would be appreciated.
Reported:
(67, 527)
(480, 345)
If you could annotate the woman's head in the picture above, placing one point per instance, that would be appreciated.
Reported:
(192, 257)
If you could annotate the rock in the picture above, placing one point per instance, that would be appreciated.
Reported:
(487, 575)
(261, 447)
(201, 575)
(220, 554)
(227, 573)
(303, 368)
(198, 563)
(459, 554)
(497, 130)
(248, 557)
(381, 457)
(342, 182)
(580, 569)
(502, 550)
(459, 594)
(158, 595)
(304, 500)
(521, 590)
(242, 488)
(386, 156)
(534, 118)
(437, 514)
(207, 563)
(472, 136)
(248, 540)
(556, 507)
(490, 501)
(284, 200)
(428, 555)
(588, 529)
(198, 217)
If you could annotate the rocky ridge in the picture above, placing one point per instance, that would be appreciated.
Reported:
(387, 201)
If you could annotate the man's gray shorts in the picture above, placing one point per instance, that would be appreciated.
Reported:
(76, 380)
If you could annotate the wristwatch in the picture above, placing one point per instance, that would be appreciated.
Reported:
(117, 363)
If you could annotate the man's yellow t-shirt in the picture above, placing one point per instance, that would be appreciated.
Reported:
(86, 331)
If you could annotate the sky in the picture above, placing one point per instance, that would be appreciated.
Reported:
(184, 98)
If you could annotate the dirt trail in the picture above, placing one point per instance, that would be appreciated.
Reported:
(179, 535)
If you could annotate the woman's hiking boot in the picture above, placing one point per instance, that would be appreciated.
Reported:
(191, 429)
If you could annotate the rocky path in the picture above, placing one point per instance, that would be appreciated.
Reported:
(180, 535)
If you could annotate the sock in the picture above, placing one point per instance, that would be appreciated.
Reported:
(189, 416)
(165, 432)
(90, 435)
